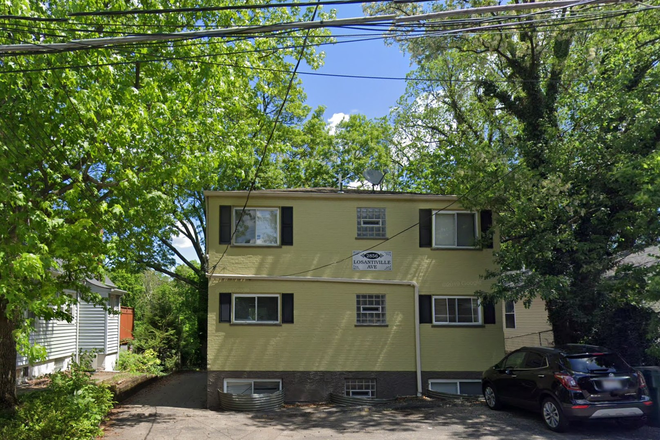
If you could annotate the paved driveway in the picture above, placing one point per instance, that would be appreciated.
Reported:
(174, 408)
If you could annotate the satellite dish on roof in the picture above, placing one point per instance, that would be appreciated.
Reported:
(374, 176)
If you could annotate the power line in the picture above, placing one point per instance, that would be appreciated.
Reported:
(231, 8)
(458, 199)
(269, 140)
(389, 18)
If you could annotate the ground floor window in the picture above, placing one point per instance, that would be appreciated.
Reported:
(456, 386)
(360, 388)
(370, 310)
(252, 386)
(256, 309)
(457, 310)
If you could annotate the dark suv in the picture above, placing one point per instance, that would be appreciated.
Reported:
(572, 382)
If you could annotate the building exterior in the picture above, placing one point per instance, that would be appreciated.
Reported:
(526, 326)
(357, 293)
(92, 328)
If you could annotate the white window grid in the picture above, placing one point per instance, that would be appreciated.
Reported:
(510, 314)
(452, 301)
(371, 223)
(364, 388)
(370, 309)
(256, 298)
(457, 382)
(455, 215)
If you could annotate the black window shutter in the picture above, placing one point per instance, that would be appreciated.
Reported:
(225, 307)
(486, 225)
(225, 224)
(287, 225)
(287, 308)
(489, 313)
(425, 309)
(425, 227)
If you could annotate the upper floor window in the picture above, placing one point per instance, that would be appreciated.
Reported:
(510, 314)
(454, 229)
(456, 310)
(256, 226)
(371, 223)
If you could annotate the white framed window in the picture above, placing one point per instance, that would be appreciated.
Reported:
(456, 310)
(364, 388)
(252, 386)
(370, 310)
(257, 226)
(454, 229)
(371, 223)
(456, 386)
(256, 308)
(510, 314)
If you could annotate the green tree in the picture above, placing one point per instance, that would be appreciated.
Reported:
(554, 124)
(100, 147)
(318, 157)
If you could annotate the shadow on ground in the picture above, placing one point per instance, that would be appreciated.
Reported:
(185, 389)
(464, 422)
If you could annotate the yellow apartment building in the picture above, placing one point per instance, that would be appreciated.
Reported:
(359, 293)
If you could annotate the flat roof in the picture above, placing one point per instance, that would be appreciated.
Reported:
(329, 193)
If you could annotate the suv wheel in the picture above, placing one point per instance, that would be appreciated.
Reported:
(553, 416)
(492, 400)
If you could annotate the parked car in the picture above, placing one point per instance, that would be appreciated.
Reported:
(572, 382)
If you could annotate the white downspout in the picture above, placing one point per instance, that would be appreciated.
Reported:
(413, 284)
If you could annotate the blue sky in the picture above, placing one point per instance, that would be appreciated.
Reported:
(372, 98)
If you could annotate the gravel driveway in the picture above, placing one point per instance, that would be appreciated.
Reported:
(174, 408)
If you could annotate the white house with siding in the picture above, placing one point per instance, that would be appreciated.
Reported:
(92, 328)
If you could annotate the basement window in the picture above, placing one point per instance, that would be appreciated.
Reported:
(252, 386)
(364, 388)
(456, 386)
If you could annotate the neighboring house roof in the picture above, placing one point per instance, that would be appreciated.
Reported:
(648, 257)
(106, 284)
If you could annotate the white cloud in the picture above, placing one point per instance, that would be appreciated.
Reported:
(335, 120)
(180, 241)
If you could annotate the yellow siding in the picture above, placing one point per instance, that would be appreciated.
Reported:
(461, 348)
(325, 232)
(323, 337)
(532, 327)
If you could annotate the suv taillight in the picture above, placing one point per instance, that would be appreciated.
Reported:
(568, 381)
(640, 380)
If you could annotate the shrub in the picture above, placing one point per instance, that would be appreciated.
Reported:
(146, 362)
(71, 407)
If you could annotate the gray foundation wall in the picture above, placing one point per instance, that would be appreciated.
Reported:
(316, 386)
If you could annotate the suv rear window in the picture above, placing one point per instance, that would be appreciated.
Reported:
(601, 363)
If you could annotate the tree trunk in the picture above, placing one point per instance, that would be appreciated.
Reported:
(7, 359)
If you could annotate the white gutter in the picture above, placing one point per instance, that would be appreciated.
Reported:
(414, 285)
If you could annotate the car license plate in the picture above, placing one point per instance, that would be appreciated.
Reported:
(611, 384)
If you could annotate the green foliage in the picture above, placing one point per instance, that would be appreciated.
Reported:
(71, 407)
(106, 151)
(145, 362)
(556, 129)
(167, 313)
